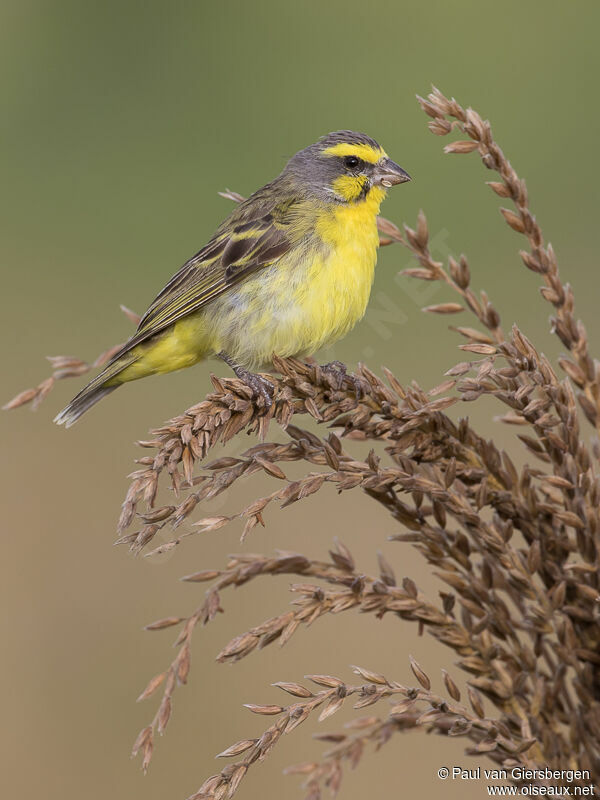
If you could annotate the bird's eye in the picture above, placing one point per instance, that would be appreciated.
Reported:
(351, 162)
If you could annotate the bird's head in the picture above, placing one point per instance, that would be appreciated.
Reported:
(345, 167)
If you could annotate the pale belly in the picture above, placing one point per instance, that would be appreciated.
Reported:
(294, 311)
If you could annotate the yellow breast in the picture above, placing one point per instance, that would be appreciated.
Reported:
(342, 281)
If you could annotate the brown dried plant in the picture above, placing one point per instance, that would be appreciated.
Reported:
(517, 549)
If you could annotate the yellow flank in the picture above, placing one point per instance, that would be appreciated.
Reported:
(181, 346)
(364, 151)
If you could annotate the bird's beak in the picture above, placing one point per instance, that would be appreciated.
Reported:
(388, 173)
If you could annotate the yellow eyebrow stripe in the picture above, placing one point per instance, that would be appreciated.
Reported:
(364, 151)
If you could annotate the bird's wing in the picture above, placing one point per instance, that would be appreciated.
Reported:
(244, 244)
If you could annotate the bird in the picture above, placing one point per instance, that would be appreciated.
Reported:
(289, 271)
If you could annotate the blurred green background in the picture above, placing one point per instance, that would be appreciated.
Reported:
(120, 122)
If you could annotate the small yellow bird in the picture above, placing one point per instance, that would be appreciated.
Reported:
(288, 271)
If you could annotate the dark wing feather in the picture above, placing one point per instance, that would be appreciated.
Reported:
(252, 238)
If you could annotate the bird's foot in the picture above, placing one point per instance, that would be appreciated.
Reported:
(339, 373)
(260, 386)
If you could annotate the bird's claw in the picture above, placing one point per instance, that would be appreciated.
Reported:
(338, 372)
(260, 386)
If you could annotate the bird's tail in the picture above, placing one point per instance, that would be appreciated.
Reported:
(104, 383)
(81, 403)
